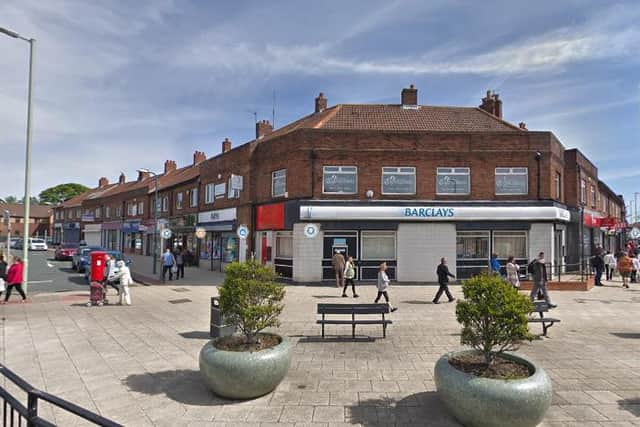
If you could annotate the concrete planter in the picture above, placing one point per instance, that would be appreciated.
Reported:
(244, 375)
(485, 402)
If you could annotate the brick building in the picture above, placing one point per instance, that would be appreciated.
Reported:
(40, 220)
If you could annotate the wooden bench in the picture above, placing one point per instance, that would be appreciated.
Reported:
(353, 310)
(547, 322)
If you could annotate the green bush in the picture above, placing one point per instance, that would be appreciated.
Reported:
(493, 316)
(250, 298)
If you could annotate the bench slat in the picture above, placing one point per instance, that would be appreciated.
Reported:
(544, 320)
(352, 322)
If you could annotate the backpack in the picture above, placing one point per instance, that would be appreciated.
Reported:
(530, 269)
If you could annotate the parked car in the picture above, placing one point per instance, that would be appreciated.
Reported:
(66, 251)
(34, 244)
(80, 260)
(13, 242)
(117, 255)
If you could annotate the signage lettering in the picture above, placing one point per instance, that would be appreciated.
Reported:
(429, 212)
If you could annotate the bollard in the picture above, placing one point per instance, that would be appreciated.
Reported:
(218, 329)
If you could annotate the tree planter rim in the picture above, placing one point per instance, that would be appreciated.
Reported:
(283, 340)
(530, 364)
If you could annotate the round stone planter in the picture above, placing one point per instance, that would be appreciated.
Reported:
(244, 374)
(485, 402)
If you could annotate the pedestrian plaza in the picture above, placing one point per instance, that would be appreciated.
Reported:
(138, 365)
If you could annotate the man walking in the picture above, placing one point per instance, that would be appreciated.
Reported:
(443, 280)
(598, 265)
(338, 264)
(538, 271)
(168, 260)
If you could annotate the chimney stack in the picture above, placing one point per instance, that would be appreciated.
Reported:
(522, 125)
(492, 104)
(122, 179)
(199, 157)
(263, 128)
(321, 103)
(142, 175)
(103, 182)
(409, 96)
(169, 166)
(226, 145)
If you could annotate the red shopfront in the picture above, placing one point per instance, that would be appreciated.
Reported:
(274, 243)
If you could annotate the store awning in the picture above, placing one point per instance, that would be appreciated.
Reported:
(217, 226)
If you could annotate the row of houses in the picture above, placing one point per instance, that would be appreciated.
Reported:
(403, 183)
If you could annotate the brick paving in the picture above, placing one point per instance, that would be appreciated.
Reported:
(138, 365)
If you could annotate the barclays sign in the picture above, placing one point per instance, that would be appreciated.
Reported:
(429, 212)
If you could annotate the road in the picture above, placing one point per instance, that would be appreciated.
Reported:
(59, 277)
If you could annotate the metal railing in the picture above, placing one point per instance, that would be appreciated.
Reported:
(581, 271)
(15, 413)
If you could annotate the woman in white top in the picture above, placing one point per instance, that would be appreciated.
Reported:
(513, 273)
(636, 267)
(609, 264)
(383, 285)
(349, 275)
(125, 280)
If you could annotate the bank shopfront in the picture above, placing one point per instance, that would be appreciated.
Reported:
(220, 245)
(412, 238)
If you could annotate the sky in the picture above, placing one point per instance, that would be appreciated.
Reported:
(122, 85)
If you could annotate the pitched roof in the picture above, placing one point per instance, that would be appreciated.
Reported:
(35, 211)
(175, 177)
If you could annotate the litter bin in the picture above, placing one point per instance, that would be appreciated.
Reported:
(218, 328)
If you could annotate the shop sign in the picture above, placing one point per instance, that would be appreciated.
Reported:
(87, 218)
(92, 228)
(311, 230)
(435, 213)
(236, 182)
(217, 215)
(270, 217)
(608, 222)
(131, 227)
(242, 231)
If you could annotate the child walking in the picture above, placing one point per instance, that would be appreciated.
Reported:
(383, 285)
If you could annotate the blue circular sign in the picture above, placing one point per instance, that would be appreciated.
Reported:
(243, 231)
(311, 230)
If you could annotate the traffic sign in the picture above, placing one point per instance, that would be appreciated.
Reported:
(311, 230)
(635, 233)
(243, 231)
(200, 233)
(166, 233)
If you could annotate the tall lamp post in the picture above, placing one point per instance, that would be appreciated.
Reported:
(27, 170)
(155, 218)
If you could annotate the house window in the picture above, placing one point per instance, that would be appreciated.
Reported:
(512, 181)
(107, 211)
(593, 197)
(339, 180)
(79, 212)
(378, 245)
(119, 212)
(179, 197)
(165, 204)
(453, 181)
(284, 245)
(583, 191)
(194, 197)
(132, 209)
(98, 213)
(220, 190)
(140, 208)
(398, 180)
(278, 183)
(208, 193)
(558, 183)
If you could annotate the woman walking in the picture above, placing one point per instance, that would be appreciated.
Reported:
(609, 265)
(625, 265)
(14, 280)
(383, 285)
(125, 280)
(3, 274)
(349, 275)
(513, 273)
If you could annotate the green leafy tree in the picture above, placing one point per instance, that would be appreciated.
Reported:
(62, 192)
(11, 199)
(250, 298)
(32, 200)
(493, 316)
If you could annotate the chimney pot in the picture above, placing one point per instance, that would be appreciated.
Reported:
(409, 96)
(226, 145)
(199, 157)
(122, 179)
(142, 175)
(492, 104)
(169, 166)
(522, 125)
(321, 103)
(263, 128)
(103, 182)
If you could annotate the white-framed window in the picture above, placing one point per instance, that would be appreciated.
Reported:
(512, 181)
(284, 244)
(132, 209)
(558, 185)
(194, 197)
(399, 180)
(593, 197)
(179, 200)
(209, 193)
(378, 245)
(510, 243)
(220, 190)
(340, 179)
(98, 212)
(79, 212)
(583, 191)
(278, 183)
(107, 211)
(453, 181)
(140, 208)
(165, 204)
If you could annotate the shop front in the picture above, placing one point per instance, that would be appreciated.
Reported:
(93, 234)
(273, 241)
(220, 245)
(184, 238)
(71, 232)
(132, 236)
(111, 236)
(57, 233)
(412, 239)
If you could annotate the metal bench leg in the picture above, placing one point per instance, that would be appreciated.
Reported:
(384, 327)
(546, 326)
(353, 326)
(323, 326)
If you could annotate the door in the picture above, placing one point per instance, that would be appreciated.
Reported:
(558, 260)
(263, 249)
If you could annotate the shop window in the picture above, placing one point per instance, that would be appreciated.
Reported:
(278, 183)
(453, 181)
(208, 193)
(399, 180)
(194, 197)
(140, 208)
(179, 200)
(512, 181)
(284, 245)
(378, 245)
(558, 186)
(510, 243)
(339, 179)
(472, 253)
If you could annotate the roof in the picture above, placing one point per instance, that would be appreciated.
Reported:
(35, 211)
(176, 177)
(76, 200)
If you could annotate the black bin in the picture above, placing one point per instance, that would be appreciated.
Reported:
(218, 328)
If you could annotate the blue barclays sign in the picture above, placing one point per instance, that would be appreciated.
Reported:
(429, 212)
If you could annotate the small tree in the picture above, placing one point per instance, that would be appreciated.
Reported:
(493, 316)
(250, 298)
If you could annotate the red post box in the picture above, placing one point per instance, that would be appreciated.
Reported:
(98, 264)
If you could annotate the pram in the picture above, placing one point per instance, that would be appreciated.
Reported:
(97, 294)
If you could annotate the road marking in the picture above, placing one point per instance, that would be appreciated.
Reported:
(40, 281)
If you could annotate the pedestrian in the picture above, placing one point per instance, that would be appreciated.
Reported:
(631, 249)
(609, 264)
(383, 285)
(14, 280)
(349, 275)
(109, 273)
(636, 267)
(598, 265)
(3, 274)
(625, 265)
(538, 270)
(180, 264)
(338, 264)
(443, 274)
(513, 273)
(168, 261)
(124, 275)
(495, 264)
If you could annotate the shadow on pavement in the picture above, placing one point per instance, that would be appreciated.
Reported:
(183, 385)
(416, 302)
(196, 335)
(631, 405)
(415, 409)
(629, 335)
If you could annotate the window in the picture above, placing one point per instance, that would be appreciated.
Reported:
(79, 214)
(399, 180)
(510, 243)
(512, 181)
(593, 197)
(107, 212)
(583, 191)
(605, 203)
(284, 245)
(140, 208)
(132, 209)
(472, 245)
(220, 190)
(179, 197)
(119, 211)
(453, 181)
(558, 186)
(278, 183)
(340, 180)
(378, 245)
(194, 197)
(98, 212)
(208, 193)
(165, 204)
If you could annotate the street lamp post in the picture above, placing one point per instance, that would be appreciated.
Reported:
(27, 171)
(155, 218)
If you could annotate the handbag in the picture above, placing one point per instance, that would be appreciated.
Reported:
(174, 269)
(2, 285)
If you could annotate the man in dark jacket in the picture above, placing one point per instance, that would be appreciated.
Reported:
(538, 271)
(598, 265)
(443, 280)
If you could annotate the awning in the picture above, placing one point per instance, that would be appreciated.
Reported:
(217, 226)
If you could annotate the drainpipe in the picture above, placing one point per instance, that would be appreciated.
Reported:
(538, 157)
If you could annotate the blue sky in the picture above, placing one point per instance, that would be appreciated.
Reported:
(122, 85)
